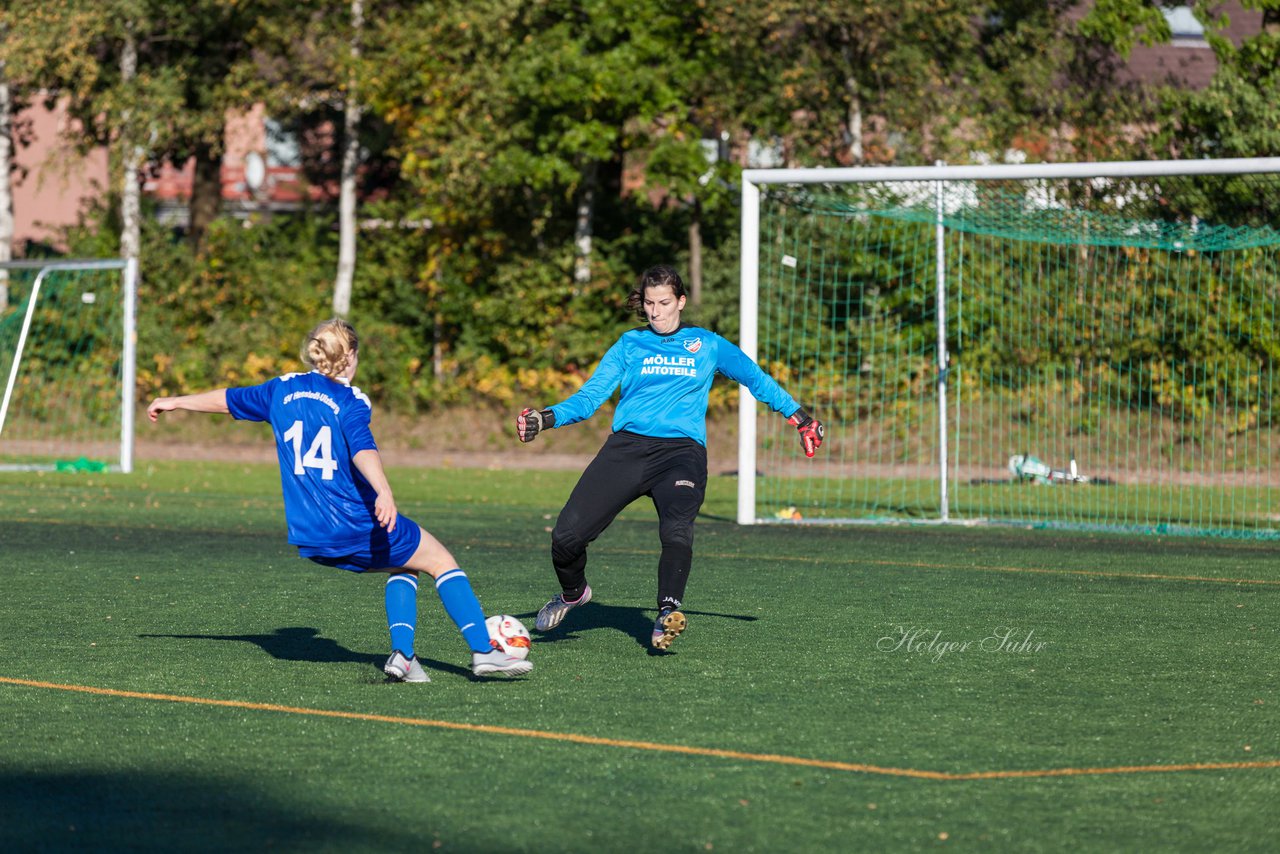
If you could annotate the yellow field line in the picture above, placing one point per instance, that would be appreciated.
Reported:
(575, 738)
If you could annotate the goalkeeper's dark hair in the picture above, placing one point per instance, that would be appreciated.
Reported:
(329, 346)
(654, 277)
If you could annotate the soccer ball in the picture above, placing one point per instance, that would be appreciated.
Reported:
(509, 634)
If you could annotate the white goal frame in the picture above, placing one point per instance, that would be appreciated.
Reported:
(754, 179)
(128, 366)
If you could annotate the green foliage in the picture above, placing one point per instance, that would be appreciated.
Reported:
(237, 312)
(1238, 114)
(515, 128)
(1050, 82)
(508, 115)
(800, 71)
(1121, 24)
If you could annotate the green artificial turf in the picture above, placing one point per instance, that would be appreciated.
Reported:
(874, 650)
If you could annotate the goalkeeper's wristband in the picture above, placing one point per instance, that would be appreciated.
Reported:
(530, 422)
(810, 429)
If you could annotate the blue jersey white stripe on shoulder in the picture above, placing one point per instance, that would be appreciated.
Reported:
(320, 424)
(666, 381)
(361, 396)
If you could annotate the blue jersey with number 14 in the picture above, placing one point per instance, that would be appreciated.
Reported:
(320, 425)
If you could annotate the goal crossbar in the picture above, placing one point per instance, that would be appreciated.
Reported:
(1013, 171)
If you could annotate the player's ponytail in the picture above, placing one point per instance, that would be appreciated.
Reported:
(329, 346)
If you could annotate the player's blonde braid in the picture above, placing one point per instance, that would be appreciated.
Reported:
(329, 346)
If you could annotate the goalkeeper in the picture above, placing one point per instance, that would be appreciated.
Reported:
(658, 444)
(337, 501)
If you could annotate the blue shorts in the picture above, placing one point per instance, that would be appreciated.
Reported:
(384, 551)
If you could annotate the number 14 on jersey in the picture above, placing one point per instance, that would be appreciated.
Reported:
(318, 456)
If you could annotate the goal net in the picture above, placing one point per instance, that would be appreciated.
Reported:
(1087, 345)
(67, 365)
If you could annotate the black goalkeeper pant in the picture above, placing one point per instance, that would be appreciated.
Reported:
(673, 472)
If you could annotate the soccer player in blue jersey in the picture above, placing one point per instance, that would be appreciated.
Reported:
(658, 444)
(337, 501)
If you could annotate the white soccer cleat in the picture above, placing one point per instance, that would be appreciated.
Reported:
(497, 661)
(552, 613)
(404, 669)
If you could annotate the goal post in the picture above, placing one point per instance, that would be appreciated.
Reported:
(68, 363)
(1088, 345)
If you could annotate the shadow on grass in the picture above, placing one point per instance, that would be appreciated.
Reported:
(303, 643)
(632, 621)
(161, 811)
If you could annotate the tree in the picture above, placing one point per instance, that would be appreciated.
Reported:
(38, 46)
(207, 52)
(1053, 85)
(308, 71)
(154, 79)
(510, 95)
(132, 154)
(919, 80)
(814, 74)
(515, 123)
(350, 161)
(1238, 114)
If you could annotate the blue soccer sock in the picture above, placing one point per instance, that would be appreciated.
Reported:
(462, 606)
(402, 610)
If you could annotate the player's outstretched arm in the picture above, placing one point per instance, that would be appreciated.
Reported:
(531, 421)
(810, 429)
(369, 464)
(205, 401)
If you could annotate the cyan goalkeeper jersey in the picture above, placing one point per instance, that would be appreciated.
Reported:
(665, 383)
(319, 425)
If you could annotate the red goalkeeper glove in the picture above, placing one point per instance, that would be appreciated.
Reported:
(810, 429)
(532, 421)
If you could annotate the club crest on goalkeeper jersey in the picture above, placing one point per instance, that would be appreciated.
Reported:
(665, 382)
(319, 425)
